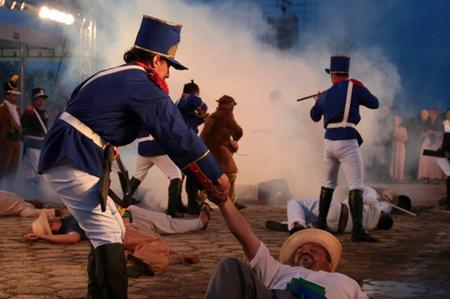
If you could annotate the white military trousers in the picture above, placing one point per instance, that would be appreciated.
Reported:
(163, 162)
(348, 154)
(79, 192)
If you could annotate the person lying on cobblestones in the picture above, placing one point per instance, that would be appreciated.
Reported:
(305, 269)
(146, 252)
(12, 204)
(152, 219)
(302, 213)
(160, 223)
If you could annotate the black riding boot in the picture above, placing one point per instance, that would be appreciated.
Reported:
(174, 199)
(192, 193)
(326, 195)
(93, 290)
(111, 271)
(359, 234)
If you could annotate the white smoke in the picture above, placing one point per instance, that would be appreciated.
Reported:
(219, 44)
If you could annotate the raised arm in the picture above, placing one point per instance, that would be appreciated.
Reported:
(240, 228)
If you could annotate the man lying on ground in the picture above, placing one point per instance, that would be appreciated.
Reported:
(159, 222)
(146, 252)
(303, 213)
(12, 204)
(306, 268)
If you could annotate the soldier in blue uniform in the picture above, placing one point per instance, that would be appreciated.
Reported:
(150, 153)
(194, 112)
(110, 108)
(34, 122)
(339, 106)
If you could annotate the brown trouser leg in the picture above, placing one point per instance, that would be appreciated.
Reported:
(232, 178)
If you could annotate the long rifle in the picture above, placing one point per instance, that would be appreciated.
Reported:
(308, 97)
(388, 200)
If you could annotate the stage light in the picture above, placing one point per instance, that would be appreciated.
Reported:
(22, 6)
(2, 3)
(56, 15)
(13, 5)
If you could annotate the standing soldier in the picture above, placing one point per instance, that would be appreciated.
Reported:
(150, 153)
(109, 109)
(339, 106)
(10, 129)
(221, 134)
(35, 125)
(194, 112)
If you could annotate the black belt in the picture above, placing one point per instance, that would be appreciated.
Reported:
(343, 218)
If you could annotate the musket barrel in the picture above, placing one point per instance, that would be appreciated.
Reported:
(305, 98)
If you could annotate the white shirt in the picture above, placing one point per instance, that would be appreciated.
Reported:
(446, 124)
(276, 275)
(306, 211)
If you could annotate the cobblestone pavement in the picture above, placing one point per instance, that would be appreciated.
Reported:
(412, 261)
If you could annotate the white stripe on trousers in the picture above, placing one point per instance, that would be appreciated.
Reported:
(79, 192)
(348, 154)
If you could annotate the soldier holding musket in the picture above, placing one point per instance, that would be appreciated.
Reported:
(339, 106)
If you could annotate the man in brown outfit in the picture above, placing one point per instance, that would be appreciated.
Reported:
(221, 134)
(10, 129)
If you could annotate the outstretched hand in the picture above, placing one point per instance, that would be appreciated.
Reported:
(218, 193)
(317, 96)
(30, 237)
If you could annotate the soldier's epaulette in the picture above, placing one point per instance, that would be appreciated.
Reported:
(357, 83)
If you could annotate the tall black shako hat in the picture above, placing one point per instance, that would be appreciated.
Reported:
(339, 65)
(191, 88)
(12, 86)
(160, 37)
(38, 92)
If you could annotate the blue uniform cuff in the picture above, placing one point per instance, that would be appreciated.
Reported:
(205, 171)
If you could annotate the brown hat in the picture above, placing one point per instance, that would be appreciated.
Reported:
(312, 235)
(41, 226)
(226, 100)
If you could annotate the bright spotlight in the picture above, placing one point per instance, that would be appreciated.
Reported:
(56, 15)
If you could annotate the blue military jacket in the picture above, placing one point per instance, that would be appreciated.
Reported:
(331, 104)
(149, 148)
(191, 107)
(115, 104)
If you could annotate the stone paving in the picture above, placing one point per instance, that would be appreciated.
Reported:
(412, 261)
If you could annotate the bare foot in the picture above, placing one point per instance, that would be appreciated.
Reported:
(205, 214)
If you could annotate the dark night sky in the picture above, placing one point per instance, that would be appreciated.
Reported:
(414, 34)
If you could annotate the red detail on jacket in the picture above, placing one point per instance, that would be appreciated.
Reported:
(160, 82)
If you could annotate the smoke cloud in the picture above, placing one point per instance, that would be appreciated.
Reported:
(220, 45)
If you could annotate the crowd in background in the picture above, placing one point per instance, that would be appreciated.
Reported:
(396, 153)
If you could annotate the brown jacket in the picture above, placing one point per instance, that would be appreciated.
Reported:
(220, 134)
(9, 142)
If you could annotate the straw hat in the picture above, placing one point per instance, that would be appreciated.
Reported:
(312, 235)
(41, 226)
